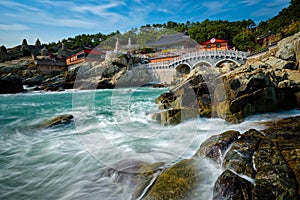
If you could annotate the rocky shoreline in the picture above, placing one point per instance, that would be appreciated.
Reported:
(17, 75)
(255, 165)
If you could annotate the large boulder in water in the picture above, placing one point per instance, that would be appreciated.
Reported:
(11, 84)
(175, 182)
(61, 119)
(135, 175)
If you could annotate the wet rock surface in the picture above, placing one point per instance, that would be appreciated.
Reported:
(231, 186)
(258, 164)
(176, 182)
(215, 146)
(59, 120)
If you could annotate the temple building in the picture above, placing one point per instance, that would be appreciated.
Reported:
(215, 44)
(85, 55)
(268, 39)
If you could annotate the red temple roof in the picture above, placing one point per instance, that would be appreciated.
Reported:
(213, 41)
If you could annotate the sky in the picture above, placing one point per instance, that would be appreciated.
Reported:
(54, 20)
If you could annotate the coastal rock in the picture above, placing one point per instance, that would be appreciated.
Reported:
(175, 182)
(61, 119)
(268, 158)
(231, 186)
(136, 175)
(287, 48)
(53, 84)
(280, 64)
(11, 84)
(191, 94)
(34, 80)
(239, 157)
(175, 116)
(135, 77)
(273, 174)
(215, 146)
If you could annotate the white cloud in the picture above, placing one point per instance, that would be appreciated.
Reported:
(249, 2)
(13, 27)
(270, 8)
(214, 8)
(77, 23)
(17, 5)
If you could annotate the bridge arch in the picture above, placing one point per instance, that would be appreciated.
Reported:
(184, 68)
(201, 63)
(226, 60)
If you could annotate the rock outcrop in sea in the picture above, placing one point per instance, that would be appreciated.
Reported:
(266, 83)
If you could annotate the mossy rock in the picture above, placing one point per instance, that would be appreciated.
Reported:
(175, 182)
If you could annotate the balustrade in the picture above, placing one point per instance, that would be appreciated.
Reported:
(201, 55)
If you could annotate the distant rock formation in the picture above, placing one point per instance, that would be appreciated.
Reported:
(20, 51)
(37, 48)
(25, 49)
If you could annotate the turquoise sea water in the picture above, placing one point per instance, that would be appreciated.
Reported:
(67, 161)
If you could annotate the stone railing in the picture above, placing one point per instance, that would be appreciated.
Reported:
(201, 55)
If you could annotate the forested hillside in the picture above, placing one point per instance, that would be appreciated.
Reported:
(243, 34)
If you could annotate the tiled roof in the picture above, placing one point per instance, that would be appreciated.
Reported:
(170, 39)
(213, 41)
(266, 35)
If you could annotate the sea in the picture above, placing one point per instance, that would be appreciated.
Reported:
(110, 126)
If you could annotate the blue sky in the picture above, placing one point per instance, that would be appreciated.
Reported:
(53, 20)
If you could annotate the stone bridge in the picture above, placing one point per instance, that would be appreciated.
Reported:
(165, 72)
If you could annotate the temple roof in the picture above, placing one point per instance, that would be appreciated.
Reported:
(213, 41)
(170, 39)
(266, 35)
